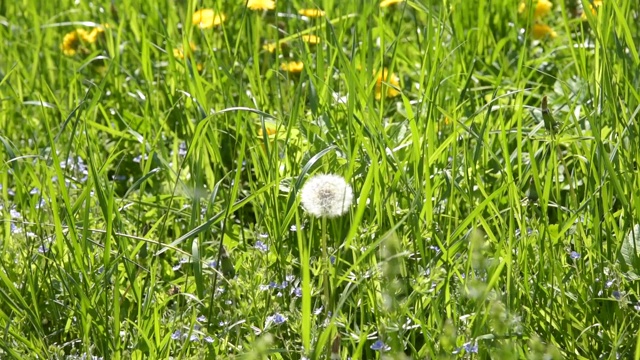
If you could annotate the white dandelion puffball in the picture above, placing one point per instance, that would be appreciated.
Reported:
(326, 195)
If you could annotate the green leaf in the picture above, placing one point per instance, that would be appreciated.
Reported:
(630, 253)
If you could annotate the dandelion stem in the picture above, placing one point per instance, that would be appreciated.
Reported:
(325, 266)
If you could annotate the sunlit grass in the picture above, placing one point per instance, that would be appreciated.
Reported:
(153, 156)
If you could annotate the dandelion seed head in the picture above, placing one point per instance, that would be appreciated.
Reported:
(326, 195)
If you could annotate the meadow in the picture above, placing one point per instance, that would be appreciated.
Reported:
(320, 179)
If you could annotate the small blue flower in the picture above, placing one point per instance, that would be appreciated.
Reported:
(297, 292)
(208, 339)
(471, 348)
(574, 255)
(176, 335)
(332, 259)
(213, 264)
(202, 318)
(261, 246)
(43, 249)
(176, 267)
(194, 338)
(380, 346)
(284, 284)
(276, 319)
(273, 285)
(616, 294)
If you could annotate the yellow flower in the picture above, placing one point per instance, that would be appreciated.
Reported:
(386, 3)
(596, 4)
(92, 37)
(543, 8)
(392, 81)
(310, 39)
(294, 67)
(72, 41)
(178, 53)
(270, 127)
(261, 4)
(207, 18)
(311, 13)
(541, 31)
(271, 47)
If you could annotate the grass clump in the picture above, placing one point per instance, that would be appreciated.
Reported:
(155, 158)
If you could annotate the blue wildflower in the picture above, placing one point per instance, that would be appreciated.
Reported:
(470, 348)
(574, 255)
(176, 335)
(208, 339)
(616, 294)
(261, 246)
(194, 338)
(276, 319)
(379, 345)
(202, 318)
(297, 292)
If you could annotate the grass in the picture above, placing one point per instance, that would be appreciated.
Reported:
(150, 201)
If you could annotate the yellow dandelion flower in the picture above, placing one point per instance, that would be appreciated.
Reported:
(595, 5)
(311, 39)
(261, 4)
(271, 47)
(392, 81)
(179, 53)
(207, 18)
(541, 31)
(543, 8)
(92, 37)
(72, 41)
(270, 128)
(387, 3)
(294, 67)
(311, 13)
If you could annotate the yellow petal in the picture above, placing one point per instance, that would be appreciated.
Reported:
(311, 13)
(392, 81)
(292, 66)
(311, 39)
(261, 4)
(207, 18)
(387, 3)
(541, 31)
